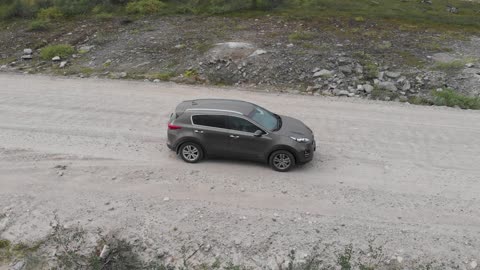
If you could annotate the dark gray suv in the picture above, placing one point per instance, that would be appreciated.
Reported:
(238, 129)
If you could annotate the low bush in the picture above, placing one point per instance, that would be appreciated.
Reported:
(451, 98)
(144, 7)
(62, 50)
(38, 25)
(301, 36)
(51, 13)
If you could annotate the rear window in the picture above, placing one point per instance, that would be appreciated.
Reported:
(217, 121)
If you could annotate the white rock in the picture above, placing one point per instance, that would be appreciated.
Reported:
(470, 65)
(406, 85)
(166, 199)
(473, 264)
(27, 51)
(351, 94)
(258, 52)
(123, 74)
(105, 251)
(399, 259)
(390, 86)
(86, 48)
(56, 58)
(290, 45)
(156, 81)
(392, 74)
(323, 73)
(3, 67)
(63, 64)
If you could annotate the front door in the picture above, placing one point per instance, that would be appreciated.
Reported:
(243, 143)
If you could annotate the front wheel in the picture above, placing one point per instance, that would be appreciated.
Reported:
(282, 161)
(191, 152)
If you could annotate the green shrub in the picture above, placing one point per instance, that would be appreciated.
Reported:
(163, 76)
(38, 25)
(74, 7)
(300, 36)
(62, 50)
(145, 7)
(51, 13)
(450, 98)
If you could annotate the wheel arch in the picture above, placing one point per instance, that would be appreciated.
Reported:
(285, 148)
(189, 139)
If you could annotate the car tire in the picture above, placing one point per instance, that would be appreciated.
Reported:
(282, 161)
(191, 152)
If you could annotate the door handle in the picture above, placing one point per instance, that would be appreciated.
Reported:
(198, 131)
(234, 136)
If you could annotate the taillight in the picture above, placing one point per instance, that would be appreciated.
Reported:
(173, 127)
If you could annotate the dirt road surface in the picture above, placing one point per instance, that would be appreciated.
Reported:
(407, 177)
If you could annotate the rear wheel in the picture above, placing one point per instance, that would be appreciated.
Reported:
(282, 161)
(191, 152)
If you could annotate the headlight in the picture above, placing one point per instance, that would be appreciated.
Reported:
(300, 140)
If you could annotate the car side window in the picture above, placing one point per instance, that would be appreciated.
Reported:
(217, 121)
(240, 124)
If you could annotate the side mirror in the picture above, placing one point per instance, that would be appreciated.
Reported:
(258, 133)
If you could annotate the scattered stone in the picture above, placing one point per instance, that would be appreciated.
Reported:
(358, 69)
(179, 46)
(166, 199)
(473, 264)
(242, 189)
(105, 252)
(323, 73)
(63, 64)
(406, 86)
(27, 57)
(315, 70)
(156, 81)
(392, 74)
(109, 61)
(380, 75)
(351, 94)
(27, 51)
(60, 173)
(3, 67)
(123, 74)
(469, 65)
(86, 49)
(339, 93)
(390, 86)
(399, 259)
(368, 88)
(453, 10)
(290, 45)
(346, 69)
(56, 58)
(18, 265)
(284, 191)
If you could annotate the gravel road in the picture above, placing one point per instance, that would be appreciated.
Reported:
(406, 177)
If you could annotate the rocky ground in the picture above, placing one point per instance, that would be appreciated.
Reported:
(354, 57)
(91, 154)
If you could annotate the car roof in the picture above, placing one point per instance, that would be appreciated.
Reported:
(230, 106)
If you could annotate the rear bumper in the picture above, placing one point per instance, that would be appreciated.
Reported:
(171, 147)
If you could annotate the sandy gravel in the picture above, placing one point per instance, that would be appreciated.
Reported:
(406, 176)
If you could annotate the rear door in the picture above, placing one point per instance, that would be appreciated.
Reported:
(212, 132)
(243, 143)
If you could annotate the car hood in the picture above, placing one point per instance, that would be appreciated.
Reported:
(292, 127)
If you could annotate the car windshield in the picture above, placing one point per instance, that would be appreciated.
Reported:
(265, 118)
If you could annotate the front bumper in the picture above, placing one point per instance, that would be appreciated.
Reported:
(306, 154)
